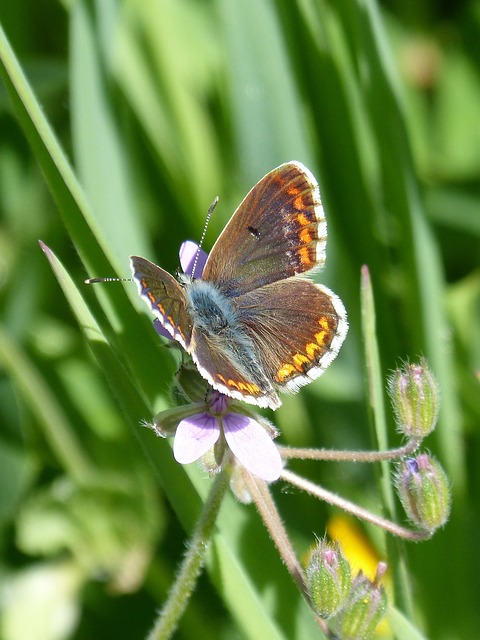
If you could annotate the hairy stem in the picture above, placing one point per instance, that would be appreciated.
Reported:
(192, 564)
(349, 456)
(351, 507)
(269, 513)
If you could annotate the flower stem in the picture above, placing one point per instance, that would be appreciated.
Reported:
(351, 507)
(269, 513)
(192, 564)
(350, 456)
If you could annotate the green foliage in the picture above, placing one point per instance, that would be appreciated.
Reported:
(119, 124)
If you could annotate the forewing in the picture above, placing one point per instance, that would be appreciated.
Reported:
(279, 230)
(165, 298)
(298, 328)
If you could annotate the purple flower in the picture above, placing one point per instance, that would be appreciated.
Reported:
(188, 254)
(249, 441)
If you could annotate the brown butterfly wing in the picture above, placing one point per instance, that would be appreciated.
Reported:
(165, 297)
(297, 327)
(278, 231)
(237, 376)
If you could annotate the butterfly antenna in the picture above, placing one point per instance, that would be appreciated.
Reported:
(95, 280)
(207, 220)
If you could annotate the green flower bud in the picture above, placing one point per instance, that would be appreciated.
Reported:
(415, 399)
(365, 607)
(189, 384)
(166, 422)
(424, 491)
(328, 579)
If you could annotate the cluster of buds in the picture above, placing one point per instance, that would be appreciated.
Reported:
(356, 604)
(421, 482)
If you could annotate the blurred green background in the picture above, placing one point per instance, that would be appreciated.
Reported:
(159, 106)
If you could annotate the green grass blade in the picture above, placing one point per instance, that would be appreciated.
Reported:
(41, 399)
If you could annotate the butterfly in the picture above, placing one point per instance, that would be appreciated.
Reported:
(254, 323)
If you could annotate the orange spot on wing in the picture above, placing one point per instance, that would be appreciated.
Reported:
(323, 322)
(305, 236)
(299, 203)
(311, 350)
(285, 372)
(304, 254)
(243, 387)
(159, 306)
(302, 219)
(299, 360)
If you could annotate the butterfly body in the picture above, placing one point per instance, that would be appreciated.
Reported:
(254, 323)
(218, 327)
(212, 311)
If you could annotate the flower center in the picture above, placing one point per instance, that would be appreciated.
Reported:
(218, 403)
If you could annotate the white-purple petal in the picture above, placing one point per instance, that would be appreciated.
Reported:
(252, 446)
(188, 254)
(194, 437)
(160, 329)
